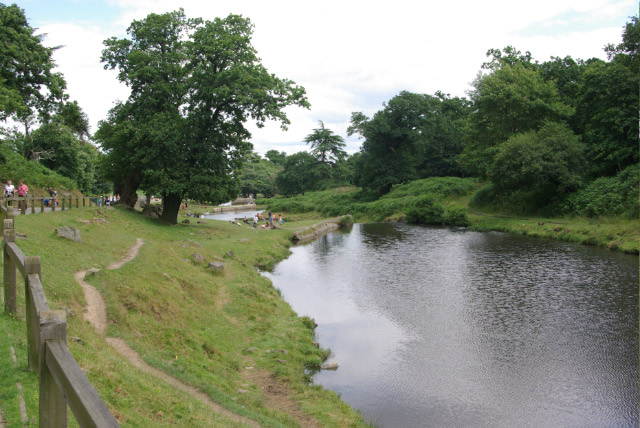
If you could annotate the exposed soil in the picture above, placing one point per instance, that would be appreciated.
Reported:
(134, 358)
(96, 312)
(278, 396)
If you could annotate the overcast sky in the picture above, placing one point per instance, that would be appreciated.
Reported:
(349, 55)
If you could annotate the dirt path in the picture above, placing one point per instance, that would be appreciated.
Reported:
(96, 314)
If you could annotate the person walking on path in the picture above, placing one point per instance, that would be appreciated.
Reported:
(22, 192)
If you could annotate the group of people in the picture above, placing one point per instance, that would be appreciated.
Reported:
(10, 191)
(270, 220)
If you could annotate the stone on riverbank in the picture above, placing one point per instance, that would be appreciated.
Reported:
(68, 232)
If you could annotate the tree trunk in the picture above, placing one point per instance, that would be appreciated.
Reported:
(146, 210)
(129, 197)
(171, 207)
(118, 188)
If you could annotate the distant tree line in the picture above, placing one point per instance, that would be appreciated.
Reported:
(559, 136)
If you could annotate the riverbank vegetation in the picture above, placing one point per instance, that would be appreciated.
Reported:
(230, 334)
(454, 201)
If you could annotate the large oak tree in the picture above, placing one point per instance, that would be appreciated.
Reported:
(194, 85)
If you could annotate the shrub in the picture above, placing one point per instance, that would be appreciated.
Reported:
(456, 216)
(609, 196)
(426, 209)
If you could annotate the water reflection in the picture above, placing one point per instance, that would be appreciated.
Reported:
(447, 328)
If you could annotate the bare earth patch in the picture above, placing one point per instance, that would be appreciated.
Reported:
(134, 358)
(277, 396)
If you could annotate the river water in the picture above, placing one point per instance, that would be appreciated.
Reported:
(438, 327)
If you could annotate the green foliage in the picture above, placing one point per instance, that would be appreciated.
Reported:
(606, 196)
(456, 216)
(258, 177)
(511, 100)
(301, 173)
(396, 203)
(194, 84)
(425, 209)
(16, 167)
(607, 116)
(326, 147)
(27, 83)
(276, 157)
(533, 168)
(414, 136)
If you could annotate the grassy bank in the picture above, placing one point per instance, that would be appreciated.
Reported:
(446, 201)
(228, 334)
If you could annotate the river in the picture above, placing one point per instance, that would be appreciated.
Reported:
(439, 327)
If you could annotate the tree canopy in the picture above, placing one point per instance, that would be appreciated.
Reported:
(194, 85)
(28, 85)
(413, 136)
(326, 146)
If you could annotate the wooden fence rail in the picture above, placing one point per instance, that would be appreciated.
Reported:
(22, 204)
(61, 380)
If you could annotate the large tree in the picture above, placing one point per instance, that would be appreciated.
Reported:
(326, 146)
(510, 100)
(302, 172)
(28, 85)
(194, 84)
(413, 136)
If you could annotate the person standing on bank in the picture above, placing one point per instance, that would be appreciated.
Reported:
(9, 189)
(22, 192)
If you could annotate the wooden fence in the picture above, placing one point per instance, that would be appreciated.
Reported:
(29, 203)
(61, 380)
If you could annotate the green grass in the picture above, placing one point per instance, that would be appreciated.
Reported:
(199, 327)
(446, 200)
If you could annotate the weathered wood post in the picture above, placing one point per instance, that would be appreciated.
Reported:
(53, 404)
(84, 201)
(9, 268)
(77, 202)
(62, 206)
(70, 201)
(33, 204)
(42, 205)
(23, 205)
(31, 266)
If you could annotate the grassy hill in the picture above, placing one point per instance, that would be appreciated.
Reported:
(229, 335)
(15, 167)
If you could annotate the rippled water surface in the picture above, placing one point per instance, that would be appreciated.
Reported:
(434, 327)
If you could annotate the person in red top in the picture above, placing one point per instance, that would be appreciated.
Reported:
(22, 192)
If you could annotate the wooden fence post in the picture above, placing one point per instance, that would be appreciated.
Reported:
(77, 203)
(23, 205)
(70, 201)
(33, 204)
(31, 266)
(42, 205)
(84, 201)
(62, 207)
(53, 404)
(9, 268)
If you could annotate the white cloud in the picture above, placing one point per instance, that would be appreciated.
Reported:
(352, 55)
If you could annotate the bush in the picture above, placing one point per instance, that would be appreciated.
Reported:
(456, 216)
(608, 196)
(426, 209)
